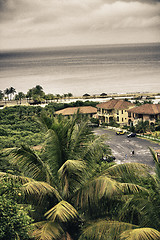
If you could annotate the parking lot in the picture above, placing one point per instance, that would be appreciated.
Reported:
(122, 147)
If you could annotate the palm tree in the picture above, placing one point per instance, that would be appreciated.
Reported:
(147, 208)
(65, 96)
(70, 95)
(19, 96)
(1, 95)
(38, 90)
(7, 92)
(29, 94)
(58, 97)
(73, 194)
(11, 91)
(142, 126)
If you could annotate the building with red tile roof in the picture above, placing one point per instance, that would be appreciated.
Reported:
(145, 112)
(85, 110)
(114, 109)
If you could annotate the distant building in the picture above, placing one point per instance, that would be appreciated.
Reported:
(114, 109)
(103, 95)
(84, 110)
(145, 112)
(86, 95)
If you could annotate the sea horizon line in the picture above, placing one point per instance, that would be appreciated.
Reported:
(43, 48)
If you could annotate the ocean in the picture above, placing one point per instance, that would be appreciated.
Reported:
(84, 69)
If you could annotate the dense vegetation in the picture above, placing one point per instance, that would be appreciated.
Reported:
(14, 216)
(63, 190)
(74, 195)
(18, 124)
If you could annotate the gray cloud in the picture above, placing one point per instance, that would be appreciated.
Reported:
(51, 21)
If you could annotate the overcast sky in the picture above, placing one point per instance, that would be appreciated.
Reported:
(44, 23)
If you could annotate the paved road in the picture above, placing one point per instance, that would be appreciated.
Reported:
(122, 146)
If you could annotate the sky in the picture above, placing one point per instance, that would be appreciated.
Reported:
(50, 23)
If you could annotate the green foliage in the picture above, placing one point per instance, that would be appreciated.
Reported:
(14, 218)
(139, 103)
(18, 124)
(1, 95)
(36, 94)
(71, 186)
(52, 107)
(142, 126)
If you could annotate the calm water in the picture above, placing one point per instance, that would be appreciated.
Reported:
(79, 70)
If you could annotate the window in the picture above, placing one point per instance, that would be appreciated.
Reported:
(122, 119)
(117, 119)
(122, 111)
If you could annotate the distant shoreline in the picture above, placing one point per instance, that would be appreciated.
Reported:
(99, 98)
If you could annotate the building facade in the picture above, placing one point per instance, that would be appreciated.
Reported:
(114, 110)
(145, 112)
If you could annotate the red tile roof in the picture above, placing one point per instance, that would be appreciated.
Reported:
(115, 104)
(73, 110)
(150, 109)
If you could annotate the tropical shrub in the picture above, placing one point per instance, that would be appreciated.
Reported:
(14, 218)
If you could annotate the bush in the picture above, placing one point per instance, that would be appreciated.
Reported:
(19, 125)
(14, 219)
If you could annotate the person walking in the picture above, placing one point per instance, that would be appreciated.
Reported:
(132, 153)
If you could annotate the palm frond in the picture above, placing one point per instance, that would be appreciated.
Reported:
(129, 172)
(104, 187)
(80, 135)
(62, 212)
(141, 233)
(45, 121)
(95, 189)
(157, 163)
(71, 174)
(39, 190)
(30, 163)
(66, 237)
(154, 155)
(47, 231)
(94, 150)
(131, 188)
(57, 145)
(150, 211)
(103, 229)
(16, 178)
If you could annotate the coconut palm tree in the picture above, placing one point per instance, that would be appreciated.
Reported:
(78, 201)
(7, 92)
(19, 97)
(144, 211)
(12, 90)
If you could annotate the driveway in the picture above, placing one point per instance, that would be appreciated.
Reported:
(122, 147)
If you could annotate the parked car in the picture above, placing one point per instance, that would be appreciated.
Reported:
(108, 158)
(131, 135)
(120, 132)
